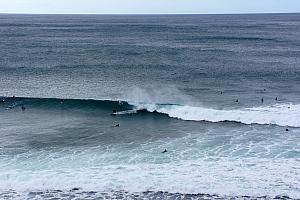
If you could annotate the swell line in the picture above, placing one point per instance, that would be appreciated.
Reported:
(278, 114)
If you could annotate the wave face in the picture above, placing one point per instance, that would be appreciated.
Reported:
(65, 104)
(279, 114)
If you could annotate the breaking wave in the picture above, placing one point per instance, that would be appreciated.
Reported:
(278, 114)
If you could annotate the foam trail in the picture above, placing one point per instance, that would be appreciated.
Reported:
(279, 114)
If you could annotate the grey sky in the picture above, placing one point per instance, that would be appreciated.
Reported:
(148, 6)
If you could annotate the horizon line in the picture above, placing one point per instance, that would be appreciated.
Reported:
(236, 13)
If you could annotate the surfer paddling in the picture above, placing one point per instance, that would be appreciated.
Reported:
(114, 113)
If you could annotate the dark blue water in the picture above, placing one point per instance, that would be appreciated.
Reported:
(219, 92)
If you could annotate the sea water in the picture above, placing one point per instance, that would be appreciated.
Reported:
(221, 93)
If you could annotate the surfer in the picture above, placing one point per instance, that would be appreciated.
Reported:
(61, 101)
(276, 99)
(221, 92)
(165, 151)
(237, 101)
(114, 112)
(2, 100)
(262, 100)
(286, 129)
(23, 108)
(117, 125)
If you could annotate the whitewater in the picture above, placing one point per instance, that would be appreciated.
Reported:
(278, 114)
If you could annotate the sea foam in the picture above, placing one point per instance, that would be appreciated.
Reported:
(279, 114)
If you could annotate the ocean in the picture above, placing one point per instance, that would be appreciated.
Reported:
(150, 106)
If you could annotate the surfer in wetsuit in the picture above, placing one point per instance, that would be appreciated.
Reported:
(117, 125)
(23, 108)
(114, 112)
(262, 100)
(165, 151)
(2, 101)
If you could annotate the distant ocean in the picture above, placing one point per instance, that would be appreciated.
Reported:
(89, 103)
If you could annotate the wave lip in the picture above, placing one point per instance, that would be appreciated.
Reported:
(278, 114)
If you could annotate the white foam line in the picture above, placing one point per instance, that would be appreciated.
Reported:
(222, 176)
(279, 114)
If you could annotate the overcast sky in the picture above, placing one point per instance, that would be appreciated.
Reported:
(148, 6)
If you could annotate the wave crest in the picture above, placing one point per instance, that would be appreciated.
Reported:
(279, 114)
